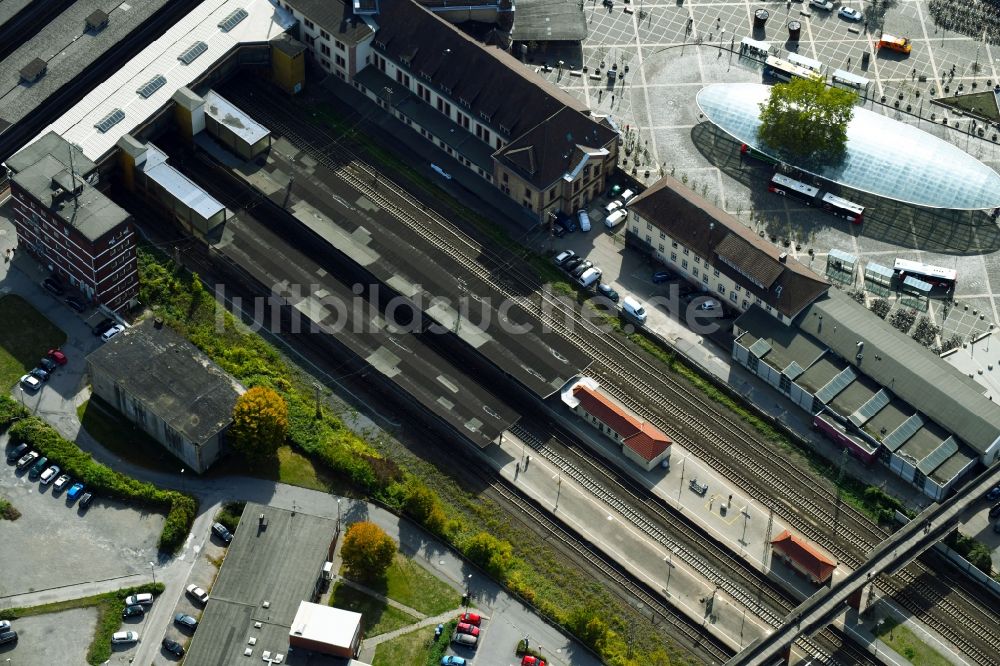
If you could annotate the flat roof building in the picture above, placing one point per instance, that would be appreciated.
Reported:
(169, 388)
(326, 630)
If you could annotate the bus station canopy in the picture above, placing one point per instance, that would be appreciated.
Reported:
(884, 157)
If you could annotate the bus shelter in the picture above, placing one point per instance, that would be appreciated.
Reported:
(878, 279)
(755, 49)
(840, 266)
(843, 79)
(808, 63)
(916, 293)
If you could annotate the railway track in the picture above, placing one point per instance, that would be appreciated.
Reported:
(944, 603)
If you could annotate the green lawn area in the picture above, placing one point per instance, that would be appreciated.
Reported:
(24, 338)
(293, 468)
(411, 585)
(109, 427)
(377, 617)
(906, 643)
(417, 648)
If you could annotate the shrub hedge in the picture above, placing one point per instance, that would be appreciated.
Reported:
(180, 508)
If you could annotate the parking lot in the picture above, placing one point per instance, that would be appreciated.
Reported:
(45, 547)
(56, 638)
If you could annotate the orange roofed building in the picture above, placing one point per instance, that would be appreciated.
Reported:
(804, 557)
(641, 442)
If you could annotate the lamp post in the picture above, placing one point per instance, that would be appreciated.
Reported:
(878, 626)
(152, 570)
(670, 567)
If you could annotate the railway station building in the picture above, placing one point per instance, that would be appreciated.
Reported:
(803, 557)
(537, 144)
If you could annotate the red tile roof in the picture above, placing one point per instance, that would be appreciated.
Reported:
(805, 554)
(643, 438)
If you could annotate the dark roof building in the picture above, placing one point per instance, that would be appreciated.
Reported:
(337, 17)
(169, 387)
(755, 271)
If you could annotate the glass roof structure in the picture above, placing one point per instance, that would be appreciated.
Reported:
(885, 157)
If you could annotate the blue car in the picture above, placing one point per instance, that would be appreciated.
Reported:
(993, 494)
(450, 660)
(662, 276)
(74, 491)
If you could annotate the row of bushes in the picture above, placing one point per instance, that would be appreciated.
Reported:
(180, 508)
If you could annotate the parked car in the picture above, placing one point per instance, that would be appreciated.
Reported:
(8, 637)
(186, 621)
(61, 483)
(662, 276)
(40, 374)
(581, 268)
(57, 355)
(133, 610)
(710, 304)
(219, 530)
(143, 598)
(464, 639)
(75, 303)
(530, 660)
(197, 593)
(30, 383)
(53, 286)
(86, 500)
(558, 230)
(452, 660)
(993, 495)
(616, 218)
(47, 364)
(634, 309)
(995, 511)
(822, 4)
(584, 220)
(626, 195)
(466, 628)
(74, 491)
(102, 326)
(112, 332)
(121, 637)
(851, 14)
(570, 264)
(17, 452)
(49, 475)
(27, 459)
(173, 647)
(563, 257)
(4, 625)
(38, 468)
(589, 277)
(567, 222)
(613, 206)
(697, 487)
(609, 293)
(471, 618)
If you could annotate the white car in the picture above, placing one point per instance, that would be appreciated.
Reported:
(198, 593)
(112, 332)
(121, 637)
(613, 206)
(61, 482)
(822, 4)
(49, 475)
(851, 14)
(30, 383)
(143, 599)
(710, 304)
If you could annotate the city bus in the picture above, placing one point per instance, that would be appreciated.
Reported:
(813, 196)
(808, 63)
(749, 152)
(786, 71)
(935, 275)
(900, 44)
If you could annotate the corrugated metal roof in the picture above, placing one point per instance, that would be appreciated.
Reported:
(178, 185)
(161, 57)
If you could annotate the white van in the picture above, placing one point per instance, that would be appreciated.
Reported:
(614, 219)
(634, 309)
(584, 220)
(589, 277)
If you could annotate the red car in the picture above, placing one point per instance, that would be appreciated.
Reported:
(465, 628)
(57, 356)
(470, 618)
(528, 660)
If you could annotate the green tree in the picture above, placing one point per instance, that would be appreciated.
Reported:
(491, 553)
(260, 423)
(367, 551)
(424, 505)
(805, 119)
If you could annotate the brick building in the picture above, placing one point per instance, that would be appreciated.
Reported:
(65, 222)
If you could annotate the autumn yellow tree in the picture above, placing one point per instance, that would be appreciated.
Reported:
(260, 423)
(367, 551)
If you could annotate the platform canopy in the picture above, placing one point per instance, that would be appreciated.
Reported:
(885, 157)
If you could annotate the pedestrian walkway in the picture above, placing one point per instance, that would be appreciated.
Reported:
(369, 645)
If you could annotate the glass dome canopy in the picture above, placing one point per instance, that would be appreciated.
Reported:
(884, 157)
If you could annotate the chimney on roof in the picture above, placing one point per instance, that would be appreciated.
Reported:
(783, 257)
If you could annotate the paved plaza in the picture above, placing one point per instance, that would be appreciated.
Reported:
(671, 50)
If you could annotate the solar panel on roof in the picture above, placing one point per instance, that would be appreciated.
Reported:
(192, 52)
(147, 89)
(760, 348)
(231, 21)
(110, 120)
(836, 385)
(793, 370)
(904, 432)
(871, 407)
(936, 458)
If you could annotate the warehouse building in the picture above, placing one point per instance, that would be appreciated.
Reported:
(169, 388)
(534, 142)
(707, 245)
(640, 441)
(69, 226)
